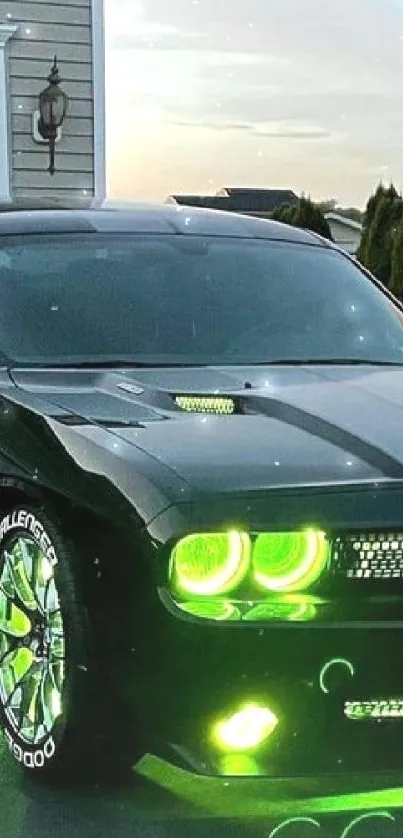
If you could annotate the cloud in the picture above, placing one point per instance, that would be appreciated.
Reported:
(215, 126)
(260, 130)
(141, 32)
(146, 35)
(269, 76)
(298, 27)
(293, 134)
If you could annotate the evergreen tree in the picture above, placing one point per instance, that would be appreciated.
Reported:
(286, 213)
(380, 193)
(306, 215)
(390, 192)
(379, 247)
(310, 217)
(396, 214)
(396, 283)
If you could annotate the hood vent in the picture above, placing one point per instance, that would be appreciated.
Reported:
(214, 405)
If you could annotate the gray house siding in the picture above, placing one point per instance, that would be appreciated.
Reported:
(45, 29)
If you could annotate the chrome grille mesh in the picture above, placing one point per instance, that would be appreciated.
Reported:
(371, 556)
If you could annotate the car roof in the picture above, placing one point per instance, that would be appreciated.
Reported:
(164, 219)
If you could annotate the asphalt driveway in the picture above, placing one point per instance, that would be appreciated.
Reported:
(159, 806)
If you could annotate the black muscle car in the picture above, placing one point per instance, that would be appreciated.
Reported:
(201, 496)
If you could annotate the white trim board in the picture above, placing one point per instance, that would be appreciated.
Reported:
(344, 220)
(7, 30)
(98, 75)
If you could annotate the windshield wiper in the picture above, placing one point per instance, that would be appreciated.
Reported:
(302, 362)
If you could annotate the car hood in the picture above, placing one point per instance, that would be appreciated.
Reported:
(295, 426)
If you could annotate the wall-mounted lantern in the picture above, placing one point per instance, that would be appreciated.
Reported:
(49, 118)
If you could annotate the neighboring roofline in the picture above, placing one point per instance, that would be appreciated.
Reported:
(199, 195)
(226, 191)
(98, 81)
(342, 219)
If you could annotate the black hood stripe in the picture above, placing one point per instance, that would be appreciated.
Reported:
(322, 429)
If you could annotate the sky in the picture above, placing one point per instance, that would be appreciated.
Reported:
(299, 94)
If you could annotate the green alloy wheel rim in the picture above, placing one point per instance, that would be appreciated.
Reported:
(32, 642)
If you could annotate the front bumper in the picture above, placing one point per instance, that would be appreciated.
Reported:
(188, 676)
(182, 675)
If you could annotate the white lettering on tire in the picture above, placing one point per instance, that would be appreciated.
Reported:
(24, 520)
(31, 759)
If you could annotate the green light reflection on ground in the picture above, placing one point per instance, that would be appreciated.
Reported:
(290, 822)
(270, 798)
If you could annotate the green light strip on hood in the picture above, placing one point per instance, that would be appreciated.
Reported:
(218, 405)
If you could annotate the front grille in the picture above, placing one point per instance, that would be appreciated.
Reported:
(370, 556)
(376, 709)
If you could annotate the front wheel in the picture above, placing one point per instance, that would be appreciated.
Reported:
(45, 678)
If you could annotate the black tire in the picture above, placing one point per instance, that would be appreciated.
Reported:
(62, 745)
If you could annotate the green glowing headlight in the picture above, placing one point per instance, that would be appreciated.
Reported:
(206, 404)
(246, 729)
(289, 561)
(209, 564)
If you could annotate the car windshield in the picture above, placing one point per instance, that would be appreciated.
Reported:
(71, 299)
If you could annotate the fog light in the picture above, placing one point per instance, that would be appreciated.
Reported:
(246, 729)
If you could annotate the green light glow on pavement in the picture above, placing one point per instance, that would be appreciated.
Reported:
(348, 830)
(290, 822)
(271, 798)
